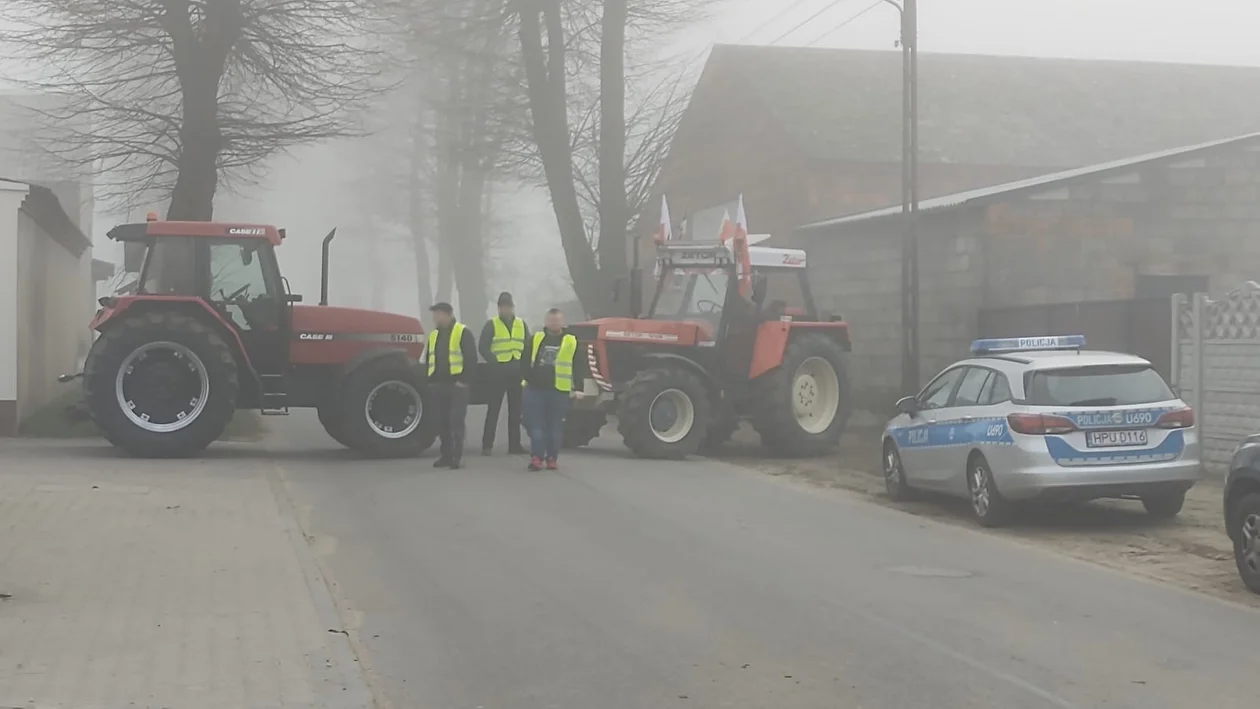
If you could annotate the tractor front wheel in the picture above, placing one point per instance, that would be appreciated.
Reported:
(581, 427)
(161, 385)
(331, 420)
(803, 404)
(664, 414)
(383, 412)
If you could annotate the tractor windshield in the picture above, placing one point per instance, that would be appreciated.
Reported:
(691, 294)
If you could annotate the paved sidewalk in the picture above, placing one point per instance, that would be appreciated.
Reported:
(181, 584)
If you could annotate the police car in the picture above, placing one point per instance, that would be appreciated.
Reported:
(1040, 418)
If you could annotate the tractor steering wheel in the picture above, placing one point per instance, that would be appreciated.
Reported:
(711, 305)
(235, 294)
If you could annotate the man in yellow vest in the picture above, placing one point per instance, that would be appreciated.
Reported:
(451, 353)
(548, 375)
(502, 343)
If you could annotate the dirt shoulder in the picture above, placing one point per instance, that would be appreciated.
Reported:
(1191, 552)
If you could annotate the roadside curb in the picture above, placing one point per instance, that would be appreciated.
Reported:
(352, 675)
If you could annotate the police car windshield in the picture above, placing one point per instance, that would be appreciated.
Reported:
(1109, 385)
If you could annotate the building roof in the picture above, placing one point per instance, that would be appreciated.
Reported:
(1054, 180)
(845, 104)
(46, 210)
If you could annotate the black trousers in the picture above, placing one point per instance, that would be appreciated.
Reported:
(451, 401)
(505, 381)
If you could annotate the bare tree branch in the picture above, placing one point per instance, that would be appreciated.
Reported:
(168, 97)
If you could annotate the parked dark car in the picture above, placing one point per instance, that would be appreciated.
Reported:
(1242, 510)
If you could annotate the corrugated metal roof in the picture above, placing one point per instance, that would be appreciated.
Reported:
(1034, 184)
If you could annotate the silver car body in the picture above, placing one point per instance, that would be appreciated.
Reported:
(935, 444)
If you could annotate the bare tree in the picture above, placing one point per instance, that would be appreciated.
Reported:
(552, 35)
(175, 96)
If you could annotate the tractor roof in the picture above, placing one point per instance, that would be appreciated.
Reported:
(771, 257)
(220, 230)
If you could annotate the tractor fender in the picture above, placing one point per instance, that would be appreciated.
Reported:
(372, 355)
(669, 359)
(111, 314)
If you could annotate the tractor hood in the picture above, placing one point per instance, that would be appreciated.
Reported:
(662, 332)
(333, 320)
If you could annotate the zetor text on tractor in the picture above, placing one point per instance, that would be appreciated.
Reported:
(731, 334)
(211, 327)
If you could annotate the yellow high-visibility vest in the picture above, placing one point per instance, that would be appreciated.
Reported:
(456, 353)
(507, 346)
(564, 359)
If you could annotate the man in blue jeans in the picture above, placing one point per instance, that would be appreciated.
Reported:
(548, 374)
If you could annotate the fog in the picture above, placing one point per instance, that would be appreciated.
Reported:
(319, 186)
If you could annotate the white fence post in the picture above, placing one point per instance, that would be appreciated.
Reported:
(1196, 349)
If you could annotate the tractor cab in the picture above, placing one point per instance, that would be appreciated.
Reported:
(703, 284)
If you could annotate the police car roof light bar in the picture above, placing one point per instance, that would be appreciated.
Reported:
(1027, 344)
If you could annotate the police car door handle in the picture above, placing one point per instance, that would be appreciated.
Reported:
(967, 418)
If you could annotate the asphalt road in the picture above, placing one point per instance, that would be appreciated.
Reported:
(616, 583)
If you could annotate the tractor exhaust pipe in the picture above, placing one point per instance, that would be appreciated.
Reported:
(323, 269)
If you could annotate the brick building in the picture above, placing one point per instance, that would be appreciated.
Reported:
(807, 134)
(1181, 220)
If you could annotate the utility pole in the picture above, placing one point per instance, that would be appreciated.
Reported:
(909, 10)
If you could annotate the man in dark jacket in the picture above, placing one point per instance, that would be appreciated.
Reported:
(450, 354)
(548, 374)
(502, 344)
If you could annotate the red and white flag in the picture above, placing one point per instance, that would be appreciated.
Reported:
(664, 232)
(739, 245)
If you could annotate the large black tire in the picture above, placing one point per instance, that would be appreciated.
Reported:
(722, 426)
(403, 428)
(173, 340)
(581, 427)
(803, 375)
(661, 388)
(330, 419)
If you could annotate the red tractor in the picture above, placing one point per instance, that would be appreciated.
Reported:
(721, 342)
(212, 327)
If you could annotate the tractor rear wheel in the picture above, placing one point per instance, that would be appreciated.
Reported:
(664, 414)
(803, 404)
(161, 385)
(581, 427)
(382, 411)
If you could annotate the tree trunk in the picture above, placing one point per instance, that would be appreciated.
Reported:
(416, 216)
(470, 262)
(192, 198)
(548, 102)
(613, 217)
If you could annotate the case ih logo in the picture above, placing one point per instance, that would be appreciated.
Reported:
(315, 336)
(246, 231)
(793, 260)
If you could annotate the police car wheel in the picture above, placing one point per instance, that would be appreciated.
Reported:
(987, 504)
(1164, 505)
(894, 474)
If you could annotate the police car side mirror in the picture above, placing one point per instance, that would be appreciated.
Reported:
(908, 405)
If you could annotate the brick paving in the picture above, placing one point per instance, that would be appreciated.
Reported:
(182, 584)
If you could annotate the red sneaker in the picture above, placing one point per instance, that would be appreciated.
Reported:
(551, 464)
(535, 463)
